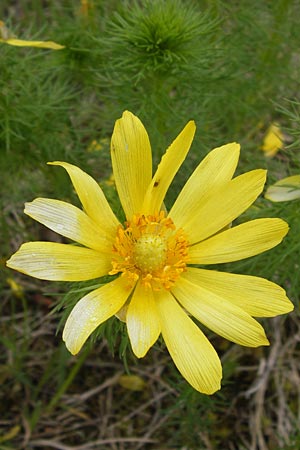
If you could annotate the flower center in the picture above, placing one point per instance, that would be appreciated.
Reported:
(149, 252)
(150, 248)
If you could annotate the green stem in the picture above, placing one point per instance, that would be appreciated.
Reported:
(68, 381)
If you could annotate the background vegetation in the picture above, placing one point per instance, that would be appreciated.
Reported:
(233, 66)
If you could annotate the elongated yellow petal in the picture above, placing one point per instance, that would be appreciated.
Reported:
(69, 221)
(59, 262)
(40, 44)
(225, 205)
(143, 323)
(242, 241)
(193, 354)
(256, 296)
(216, 169)
(284, 190)
(92, 198)
(167, 169)
(92, 310)
(131, 161)
(216, 313)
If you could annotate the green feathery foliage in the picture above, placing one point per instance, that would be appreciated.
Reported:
(233, 67)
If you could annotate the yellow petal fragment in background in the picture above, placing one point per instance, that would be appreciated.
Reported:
(92, 198)
(143, 323)
(132, 382)
(40, 44)
(59, 262)
(10, 434)
(86, 8)
(192, 353)
(98, 145)
(216, 313)
(69, 221)
(273, 140)
(132, 162)
(242, 241)
(9, 38)
(256, 296)
(15, 287)
(216, 168)
(225, 205)
(284, 190)
(167, 169)
(92, 310)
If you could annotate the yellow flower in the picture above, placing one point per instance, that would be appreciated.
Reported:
(284, 190)
(7, 38)
(154, 256)
(273, 140)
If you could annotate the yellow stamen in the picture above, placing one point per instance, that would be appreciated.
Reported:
(150, 248)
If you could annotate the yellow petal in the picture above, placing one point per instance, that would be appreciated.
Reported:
(273, 140)
(59, 262)
(216, 169)
(92, 310)
(86, 8)
(167, 169)
(193, 354)
(132, 382)
(216, 313)
(16, 288)
(256, 296)
(142, 320)
(40, 44)
(132, 162)
(92, 198)
(69, 221)
(242, 241)
(284, 190)
(12, 432)
(225, 205)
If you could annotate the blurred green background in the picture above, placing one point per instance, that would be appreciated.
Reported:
(233, 67)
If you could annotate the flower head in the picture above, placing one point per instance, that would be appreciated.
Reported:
(154, 256)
